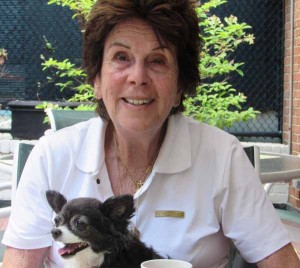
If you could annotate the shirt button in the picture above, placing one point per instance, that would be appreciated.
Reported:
(98, 181)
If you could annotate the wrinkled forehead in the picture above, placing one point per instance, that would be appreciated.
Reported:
(135, 29)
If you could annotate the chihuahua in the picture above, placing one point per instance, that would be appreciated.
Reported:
(96, 234)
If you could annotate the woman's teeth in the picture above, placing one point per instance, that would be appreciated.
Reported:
(137, 102)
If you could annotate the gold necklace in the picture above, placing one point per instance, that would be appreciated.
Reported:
(133, 227)
(137, 183)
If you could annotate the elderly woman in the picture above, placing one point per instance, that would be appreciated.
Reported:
(193, 186)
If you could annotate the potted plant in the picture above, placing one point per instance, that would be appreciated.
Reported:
(27, 121)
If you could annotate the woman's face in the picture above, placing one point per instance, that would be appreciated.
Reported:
(139, 78)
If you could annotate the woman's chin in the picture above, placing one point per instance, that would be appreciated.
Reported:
(140, 126)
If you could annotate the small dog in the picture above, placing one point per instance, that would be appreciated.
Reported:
(96, 234)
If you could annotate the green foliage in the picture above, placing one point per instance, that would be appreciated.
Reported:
(3, 53)
(216, 103)
(3, 58)
(80, 8)
(48, 45)
(69, 76)
(76, 78)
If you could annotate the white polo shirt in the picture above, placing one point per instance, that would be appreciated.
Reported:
(202, 192)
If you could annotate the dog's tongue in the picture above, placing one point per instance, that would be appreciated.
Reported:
(68, 249)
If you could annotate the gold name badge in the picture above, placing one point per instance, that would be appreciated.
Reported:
(169, 213)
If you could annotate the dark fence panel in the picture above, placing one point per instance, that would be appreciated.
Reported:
(263, 70)
(23, 26)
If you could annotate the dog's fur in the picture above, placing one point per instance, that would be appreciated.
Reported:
(102, 230)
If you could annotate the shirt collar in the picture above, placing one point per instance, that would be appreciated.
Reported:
(174, 155)
(91, 155)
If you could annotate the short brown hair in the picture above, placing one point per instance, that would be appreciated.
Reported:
(174, 21)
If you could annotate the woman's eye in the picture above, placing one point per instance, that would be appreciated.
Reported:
(120, 56)
(158, 61)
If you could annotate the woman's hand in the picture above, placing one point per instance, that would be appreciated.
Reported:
(24, 258)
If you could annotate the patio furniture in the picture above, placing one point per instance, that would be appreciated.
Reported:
(63, 118)
(276, 167)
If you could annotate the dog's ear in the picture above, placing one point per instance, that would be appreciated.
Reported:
(118, 207)
(56, 200)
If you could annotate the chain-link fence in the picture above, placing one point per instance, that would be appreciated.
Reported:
(29, 29)
(26, 27)
(262, 82)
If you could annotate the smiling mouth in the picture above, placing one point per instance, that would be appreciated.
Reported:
(71, 249)
(138, 102)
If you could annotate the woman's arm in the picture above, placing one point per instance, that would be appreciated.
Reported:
(285, 257)
(24, 258)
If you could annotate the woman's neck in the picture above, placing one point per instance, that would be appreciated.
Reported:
(129, 161)
(139, 149)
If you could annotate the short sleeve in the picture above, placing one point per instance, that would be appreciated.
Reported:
(247, 215)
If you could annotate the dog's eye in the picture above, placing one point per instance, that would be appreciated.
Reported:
(80, 224)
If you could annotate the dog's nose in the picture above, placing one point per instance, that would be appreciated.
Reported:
(56, 233)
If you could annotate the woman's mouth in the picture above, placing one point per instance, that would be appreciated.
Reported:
(138, 102)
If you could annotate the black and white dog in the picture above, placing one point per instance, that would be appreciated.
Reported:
(96, 234)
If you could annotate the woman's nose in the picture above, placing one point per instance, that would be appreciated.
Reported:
(138, 75)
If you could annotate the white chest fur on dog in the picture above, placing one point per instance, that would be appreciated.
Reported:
(84, 259)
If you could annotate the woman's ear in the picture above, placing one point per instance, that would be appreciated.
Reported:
(97, 88)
